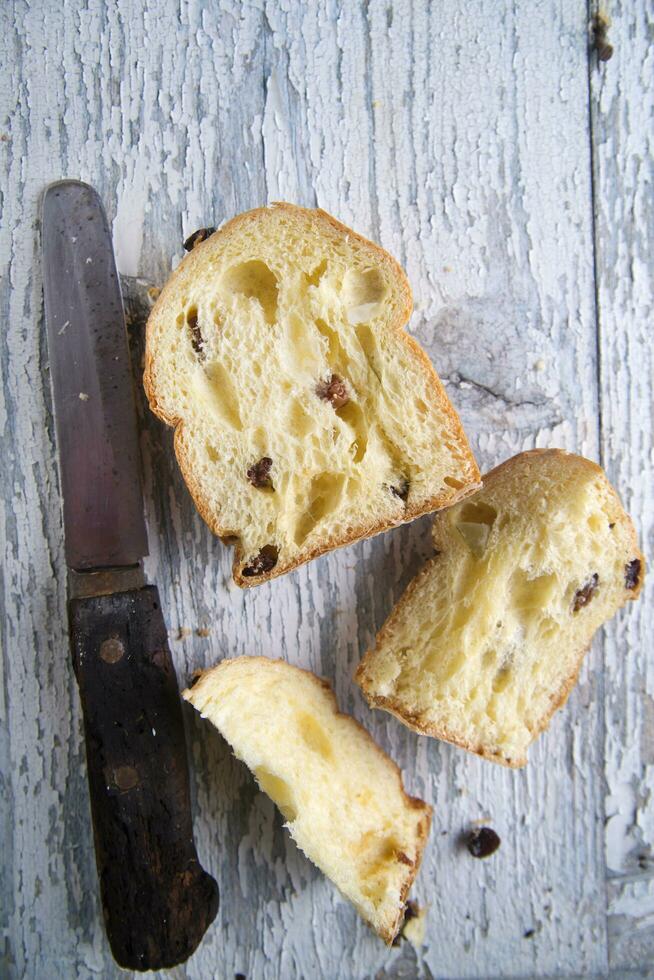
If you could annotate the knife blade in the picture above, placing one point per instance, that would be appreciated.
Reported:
(89, 365)
(157, 900)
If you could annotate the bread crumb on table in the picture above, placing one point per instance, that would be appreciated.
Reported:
(415, 924)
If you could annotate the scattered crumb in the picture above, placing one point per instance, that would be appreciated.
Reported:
(599, 27)
(63, 329)
(4, 137)
(83, 397)
(89, 260)
(183, 632)
(447, 268)
(415, 924)
(203, 631)
(539, 365)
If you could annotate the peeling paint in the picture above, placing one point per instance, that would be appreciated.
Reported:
(386, 115)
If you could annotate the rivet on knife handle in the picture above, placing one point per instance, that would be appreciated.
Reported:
(157, 900)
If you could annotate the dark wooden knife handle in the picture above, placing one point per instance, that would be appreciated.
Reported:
(157, 899)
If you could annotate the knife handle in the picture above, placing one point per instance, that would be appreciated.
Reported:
(156, 898)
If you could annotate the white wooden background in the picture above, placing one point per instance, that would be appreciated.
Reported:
(512, 176)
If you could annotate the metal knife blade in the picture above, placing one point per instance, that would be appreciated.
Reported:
(91, 382)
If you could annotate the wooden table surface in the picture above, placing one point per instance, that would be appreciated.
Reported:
(511, 174)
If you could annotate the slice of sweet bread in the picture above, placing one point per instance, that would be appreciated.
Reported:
(305, 416)
(487, 641)
(342, 797)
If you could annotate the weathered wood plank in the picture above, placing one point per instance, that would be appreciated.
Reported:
(104, 93)
(623, 154)
(631, 924)
(478, 180)
(446, 191)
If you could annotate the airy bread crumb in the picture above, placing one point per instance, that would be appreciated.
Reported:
(305, 416)
(341, 795)
(487, 641)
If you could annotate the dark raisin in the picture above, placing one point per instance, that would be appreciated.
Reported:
(611, 526)
(401, 490)
(482, 842)
(585, 593)
(604, 50)
(528, 933)
(333, 391)
(259, 474)
(632, 574)
(197, 340)
(263, 562)
(411, 910)
(198, 236)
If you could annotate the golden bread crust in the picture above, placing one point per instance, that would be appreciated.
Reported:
(185, 273)
(410, 867)
(528, 461)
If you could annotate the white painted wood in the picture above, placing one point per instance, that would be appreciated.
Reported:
(458, 136)
(631, 922)
(623, 129)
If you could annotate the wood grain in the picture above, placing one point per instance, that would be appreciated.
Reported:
(459, 136)
(623, 170)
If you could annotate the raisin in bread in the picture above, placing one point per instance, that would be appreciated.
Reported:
(342, 797)
(487, 641)
(305, 417)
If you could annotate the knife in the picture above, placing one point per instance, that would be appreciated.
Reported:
(156, 898)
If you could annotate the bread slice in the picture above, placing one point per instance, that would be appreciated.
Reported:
(487, 641)
(305, 417)
(342, 797)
